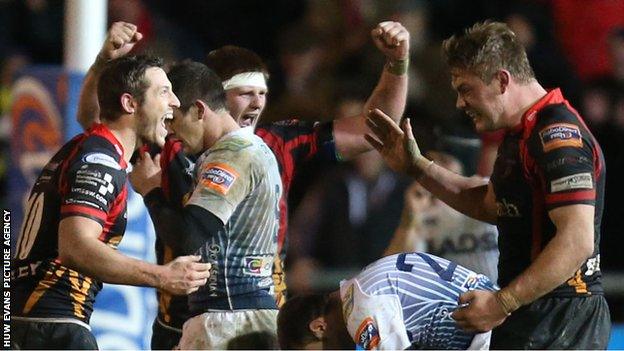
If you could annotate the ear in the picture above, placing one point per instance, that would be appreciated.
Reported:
(318, 327)
(202, 109)
(504, 78)
(128, 103)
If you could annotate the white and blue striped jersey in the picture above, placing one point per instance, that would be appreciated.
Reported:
(407, 299)
(238, 181)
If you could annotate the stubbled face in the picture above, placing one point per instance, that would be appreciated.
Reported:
(158, 104)
(246, 104)
(188, 128)
(481, 101)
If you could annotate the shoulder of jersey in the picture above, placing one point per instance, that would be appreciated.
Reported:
(235, 143)
(98, 152)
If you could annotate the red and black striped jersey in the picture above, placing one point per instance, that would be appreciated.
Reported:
(292, 142)
(550, 160)
(86, 177)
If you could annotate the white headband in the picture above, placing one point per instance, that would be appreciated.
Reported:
(246, 79)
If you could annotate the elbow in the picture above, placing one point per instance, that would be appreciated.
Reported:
(68, 257)
(586, 249)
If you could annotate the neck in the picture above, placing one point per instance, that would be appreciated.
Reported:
(126, 135)
(526, 96)
(224, 125)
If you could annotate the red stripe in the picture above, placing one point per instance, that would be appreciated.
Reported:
(63, 186)
(531, 172)
(114, 212)
(103, 131)
(575, 196)
(90, 211)
(283, 151)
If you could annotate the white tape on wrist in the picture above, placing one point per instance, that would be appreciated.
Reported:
(245, 79)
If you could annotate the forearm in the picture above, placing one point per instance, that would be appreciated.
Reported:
(95, 259)
(559, 261)
(390, 94)
(88, 105)
(465, 194)
(562, 257)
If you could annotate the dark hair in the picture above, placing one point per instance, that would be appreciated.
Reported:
(485, 48)
(294, 317)
(260, 340)
(228, 61)
(192, 81)
(121, 76)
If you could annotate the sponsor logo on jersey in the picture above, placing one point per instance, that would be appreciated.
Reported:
(258, 266)
(559, 135)
(593, 265)
(575, 181)
(367, 334)
(108, 187)
(101, 159)
(219, 177)
(214, 253)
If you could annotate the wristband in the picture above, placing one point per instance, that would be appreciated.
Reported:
(397, 67)
(508, 301)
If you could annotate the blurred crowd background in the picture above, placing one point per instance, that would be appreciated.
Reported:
(323, 65)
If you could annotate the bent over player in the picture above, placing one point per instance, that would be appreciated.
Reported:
(396, 302)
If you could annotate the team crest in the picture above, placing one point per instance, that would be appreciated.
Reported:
(218, 177)
(367, 335)
(559, 135)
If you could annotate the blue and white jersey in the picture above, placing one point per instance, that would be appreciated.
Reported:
(408, 299)
(238, 180)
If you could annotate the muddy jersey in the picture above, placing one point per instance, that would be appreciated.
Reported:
(87, 178)
(550, 160)
(408, 299)
(292, 143)
(238, 181)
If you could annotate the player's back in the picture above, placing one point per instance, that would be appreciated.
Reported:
(427, 288)
(242, 253)
(86, 178)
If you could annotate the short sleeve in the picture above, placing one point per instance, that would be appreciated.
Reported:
(224, 178)
(91, 185)
(566, 157)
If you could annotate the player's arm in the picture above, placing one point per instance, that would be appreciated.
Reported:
(80, 249)
(185, 230)
(472, 196)
(410, 230)
(120, 39)
(390, 94)
(572, 244)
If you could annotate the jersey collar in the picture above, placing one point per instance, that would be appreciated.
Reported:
(553, 96)
(103, 131)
